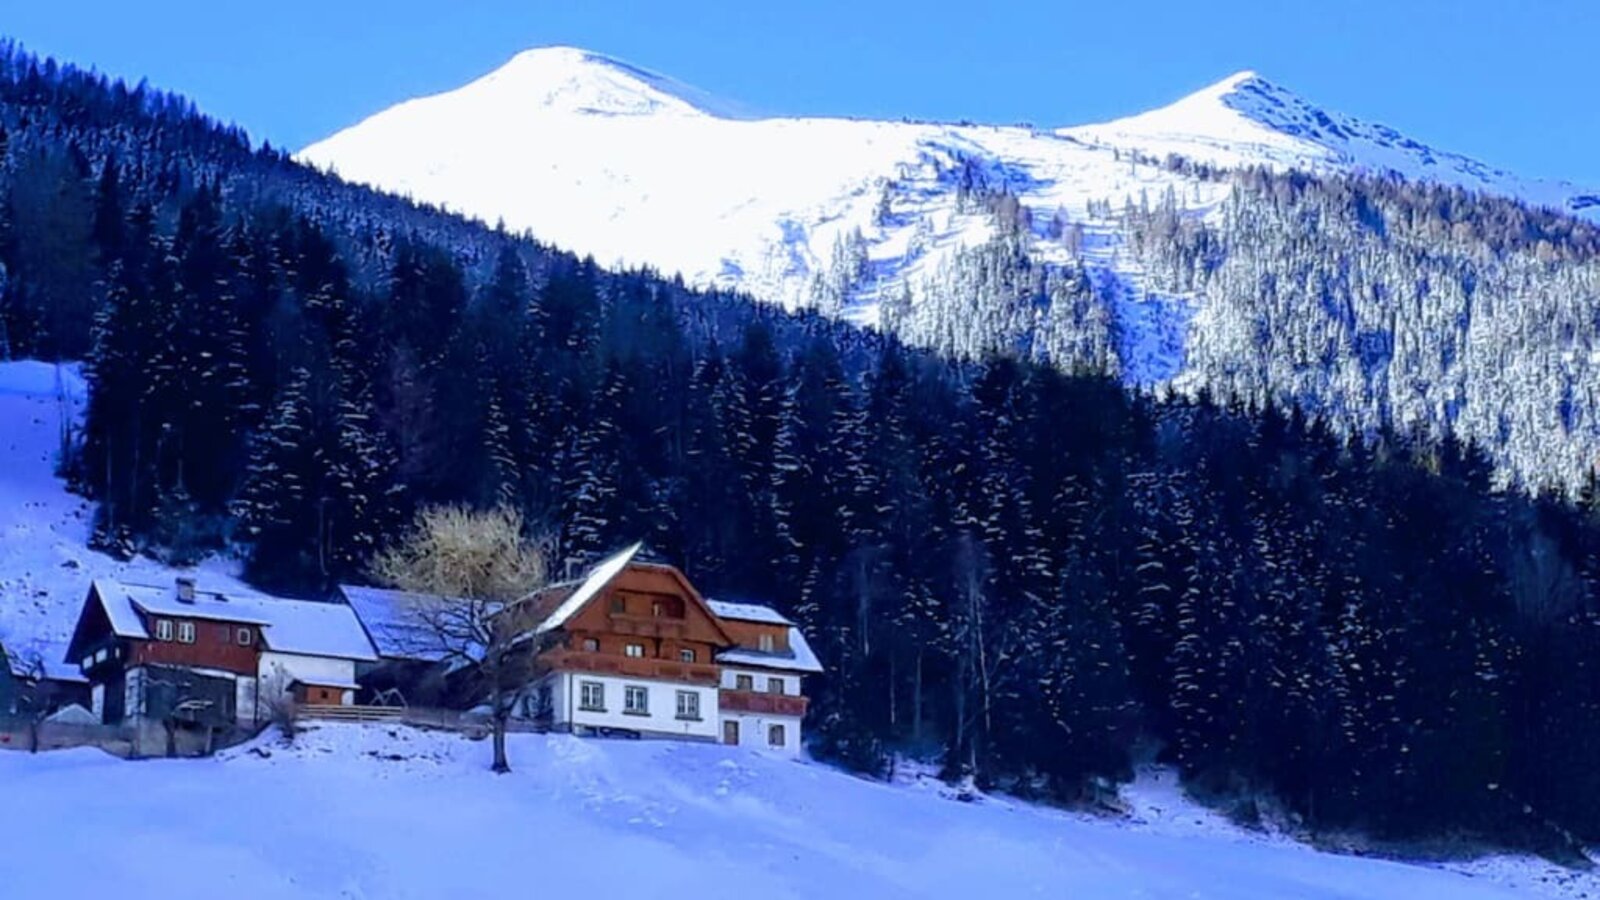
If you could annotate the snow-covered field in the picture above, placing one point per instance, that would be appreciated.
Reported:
(386, 812)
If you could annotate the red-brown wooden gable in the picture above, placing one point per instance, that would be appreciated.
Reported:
(216, 646)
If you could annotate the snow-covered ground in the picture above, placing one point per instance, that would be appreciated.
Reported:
(45, 563)
(386, 812)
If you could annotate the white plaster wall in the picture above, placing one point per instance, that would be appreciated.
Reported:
(662, 718)
(244, 700)
(791, 681)
(279, 670)
(133, 693)
(753, 731)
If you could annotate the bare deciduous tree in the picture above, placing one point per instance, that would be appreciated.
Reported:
(466, 568)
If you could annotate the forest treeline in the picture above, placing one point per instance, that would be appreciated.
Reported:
(1026, 573)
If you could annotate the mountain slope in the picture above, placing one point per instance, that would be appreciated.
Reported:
(357, 811)
(605, 158)
(969, 239)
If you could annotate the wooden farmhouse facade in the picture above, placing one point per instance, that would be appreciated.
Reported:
(210, 658)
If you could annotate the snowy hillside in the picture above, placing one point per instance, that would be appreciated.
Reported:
(45, 566)
(369, 812)
(600, 157)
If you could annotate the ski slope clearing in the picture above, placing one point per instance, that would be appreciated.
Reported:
(45, 563)
(386, 812)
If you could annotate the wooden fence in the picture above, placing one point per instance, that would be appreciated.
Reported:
(336, 713)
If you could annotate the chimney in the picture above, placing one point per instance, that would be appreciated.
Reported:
(185, 589)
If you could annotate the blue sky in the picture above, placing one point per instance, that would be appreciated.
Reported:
(1512, 83)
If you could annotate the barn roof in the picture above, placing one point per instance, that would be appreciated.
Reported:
(390, 619)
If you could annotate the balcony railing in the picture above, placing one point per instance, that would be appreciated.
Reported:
(633, 666)
(757, 702)
(648, 626)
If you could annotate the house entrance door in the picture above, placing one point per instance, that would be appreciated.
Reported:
(730, 731)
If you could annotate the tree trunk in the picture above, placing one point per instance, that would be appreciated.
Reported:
(916, 702)
(501, 764)
(497, 721)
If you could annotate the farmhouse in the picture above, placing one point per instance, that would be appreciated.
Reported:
(211, 658)
(630, 648)
(634, 648)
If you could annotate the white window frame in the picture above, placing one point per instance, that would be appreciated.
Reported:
(686, 655)
(766, 643)
(163, 629)
(689, 706)
(185, 632)
(631, 691)
(774, 685)
(243, 637)
(633, 651)
(599, 689)
(590, 645)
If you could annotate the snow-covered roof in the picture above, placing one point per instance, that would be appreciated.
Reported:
(592, 585)
(28, 665)
(391, 621)
(798, 659)
(73, 714)
(301, 627)
(328, 682)
(125, 621)
(747, 612)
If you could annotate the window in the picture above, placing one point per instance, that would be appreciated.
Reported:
(686, 655)
(592, 696)
(591, 645)
(744, 682)
(775, 736)
(765, 642)
(185, 632)
(163, 629)
(658, 609)
(689, 705)
(619, 605)
(774, 685)
(245, 637)
(636, 700)
(634, 650)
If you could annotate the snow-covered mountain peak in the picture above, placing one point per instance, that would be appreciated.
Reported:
(1245, 119)
(572, 80)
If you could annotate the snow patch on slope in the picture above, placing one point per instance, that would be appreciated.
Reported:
(45, 563)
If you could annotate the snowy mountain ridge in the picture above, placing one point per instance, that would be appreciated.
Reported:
(601, 157)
